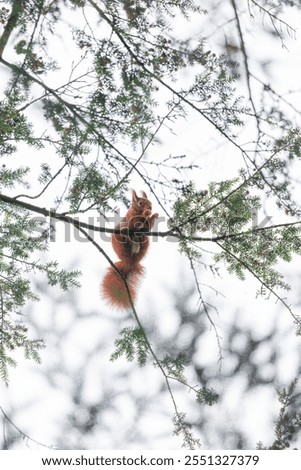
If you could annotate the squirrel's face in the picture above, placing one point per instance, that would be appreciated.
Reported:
(145, 207)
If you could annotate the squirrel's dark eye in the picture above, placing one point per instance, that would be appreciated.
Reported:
(140, 203)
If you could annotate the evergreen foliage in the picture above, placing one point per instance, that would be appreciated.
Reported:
(132, 343)
(288, 423)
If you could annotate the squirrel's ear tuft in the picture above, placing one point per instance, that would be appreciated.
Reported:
(144, 194)
(134, 197)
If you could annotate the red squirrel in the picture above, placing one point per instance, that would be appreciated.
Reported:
(130, 249)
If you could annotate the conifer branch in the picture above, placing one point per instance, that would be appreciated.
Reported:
(297, 319)
(174, 233)
(11, 24)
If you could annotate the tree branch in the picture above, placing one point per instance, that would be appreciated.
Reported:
(246, 63)
(274, 18)
(221, 201)
(296, 318)
(168, 233)
(10, 25)
(23, 434)
(46, 185)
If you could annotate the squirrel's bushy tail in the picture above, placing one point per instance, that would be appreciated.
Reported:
(113, 287)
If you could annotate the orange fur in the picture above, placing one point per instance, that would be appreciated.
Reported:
(130, 249)
(113, 286)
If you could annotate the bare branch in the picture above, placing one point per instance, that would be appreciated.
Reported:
(22, 433)
(246, 63)
(206, 309)
(297, 319)
(45, 187)
(274, 19)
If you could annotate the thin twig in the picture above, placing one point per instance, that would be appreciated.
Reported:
(45, 187)
(23, 434)
(246, 63)
(205, 307)
(270, 289)
(274, 18)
